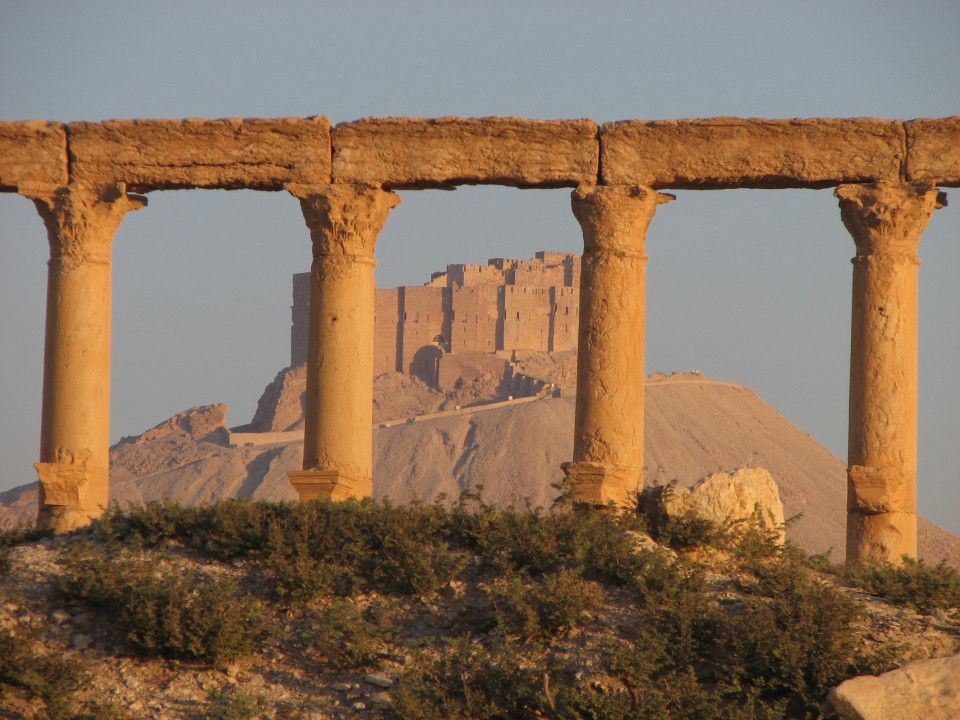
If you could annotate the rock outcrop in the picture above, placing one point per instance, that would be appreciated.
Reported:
(195, 422)
(743, 495)
(922, 690)
(280, 408)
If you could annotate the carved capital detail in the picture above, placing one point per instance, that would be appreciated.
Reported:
(615, 218)
(887, 219)
(81, 220)
(344, 220)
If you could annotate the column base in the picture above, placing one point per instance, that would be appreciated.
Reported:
(71, 496)
(329, 485)
(600, 484)
(881, 537)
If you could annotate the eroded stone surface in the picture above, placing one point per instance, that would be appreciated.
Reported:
(933, 151)
(256, 153)
(32, 151)
(608, 434)
(745, 152)
(75, 424)
(440, 152)
(344, 222)
(729, 497)
(886, 222)
(927, 689)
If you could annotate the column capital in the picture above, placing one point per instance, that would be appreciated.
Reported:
(614, 218)
(81, 220)
(888, 218)
(344, 219)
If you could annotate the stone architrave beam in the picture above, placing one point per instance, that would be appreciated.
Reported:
(417, 153)
(607, 461)
(933, 151)
(261, 154)
(75, 425)
(718, 153)
(344, 222)
(886, 222)
(32, 152)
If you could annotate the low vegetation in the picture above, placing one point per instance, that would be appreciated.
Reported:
(490, 612)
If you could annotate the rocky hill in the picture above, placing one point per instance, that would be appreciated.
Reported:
(695, 426)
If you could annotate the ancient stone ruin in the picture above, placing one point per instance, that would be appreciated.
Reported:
(83, 177)
(462, 313)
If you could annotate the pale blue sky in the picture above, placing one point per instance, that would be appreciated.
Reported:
(751, 286)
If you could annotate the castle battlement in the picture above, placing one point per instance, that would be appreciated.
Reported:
(502, 306)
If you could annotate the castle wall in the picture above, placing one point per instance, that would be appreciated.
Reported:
(564, 318)
(387, 330)
(421, 324)
(300, 312)
(504, 305)
(526, 318)
(467, 274)
(474, 318)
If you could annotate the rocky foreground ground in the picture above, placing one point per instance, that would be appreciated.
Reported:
(303, 611)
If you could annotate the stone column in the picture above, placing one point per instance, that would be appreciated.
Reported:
(608, 433)
(886, 221)
(344, 222)
(74, 467)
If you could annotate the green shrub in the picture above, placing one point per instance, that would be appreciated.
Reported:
(30, 669)
(606, 545)
(912, 583)
(506, 538)
(551, 605)
(792, 637)
(649, 689)
(235, 705)
(224, 530)
(469, 682)
(162, 611)
(300, 578)
(341, 639)
(407, 553)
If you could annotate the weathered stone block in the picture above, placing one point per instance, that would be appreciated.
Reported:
(928, 689)
(32, 151)
(734, 496)
(441, 152)
(263, 154)
(752, 153)
(933, 151)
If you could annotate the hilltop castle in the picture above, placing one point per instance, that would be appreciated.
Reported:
(466, 311)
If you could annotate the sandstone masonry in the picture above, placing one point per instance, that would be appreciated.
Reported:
(499, 307)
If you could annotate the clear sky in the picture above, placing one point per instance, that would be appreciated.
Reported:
(751, 286)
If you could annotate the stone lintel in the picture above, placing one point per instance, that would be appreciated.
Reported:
(933, 151)
(874, 490)
(34, 151)
(417, 153)
(600, 484)
(329, 485)
(715, 153)
(255, 153)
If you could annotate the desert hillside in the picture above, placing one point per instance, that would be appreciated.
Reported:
(694, 426)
